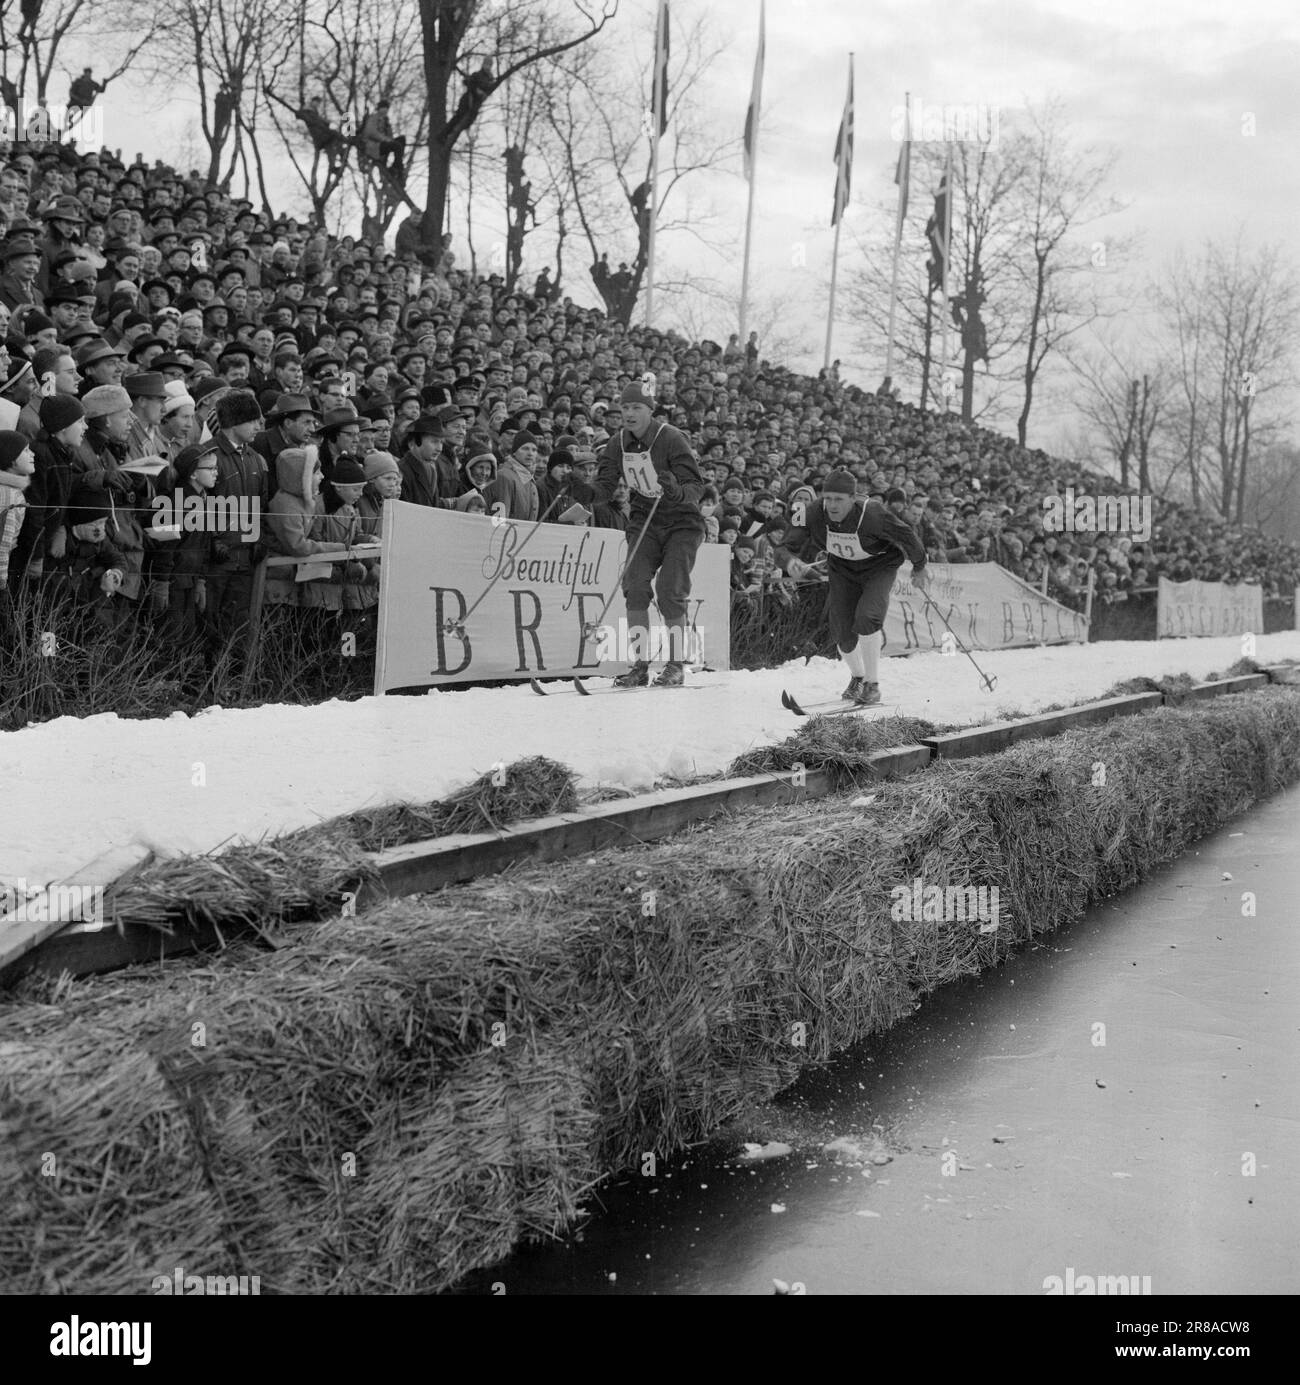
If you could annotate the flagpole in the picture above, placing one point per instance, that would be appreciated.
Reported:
(839, 221)
(653, 203)
(947, 268)
(898, 236)
(753, 178)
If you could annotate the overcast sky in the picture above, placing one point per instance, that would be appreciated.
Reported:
(1168, 83)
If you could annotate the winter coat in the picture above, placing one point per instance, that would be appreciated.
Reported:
(13, 511)
(419, 480)
(181, 562)
(293, 529)
(241, 472)
(47, 497)
(515, 490)
(669, 454)
(344, 525)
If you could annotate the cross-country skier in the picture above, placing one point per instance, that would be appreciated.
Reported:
(661, 472)
(865, 545)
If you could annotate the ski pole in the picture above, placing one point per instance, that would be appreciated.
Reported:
(454, 626)
(590, 627)
(986, 679)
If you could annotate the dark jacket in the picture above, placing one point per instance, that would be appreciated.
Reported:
(419, 480)
(47, 497)
(884, 538)
(240, 471)
(670, 455)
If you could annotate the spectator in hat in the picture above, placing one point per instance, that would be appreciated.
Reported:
(553, 492)
(100, 364)
(16, 394)
(22, 263)
(293, 527)
(57, 463)
(292, 422)
(419, 463)
(383, 482)
(341, 431)
(148, 394)
(355, 583)
(177, 426)
(104, 450)
(179, 561)
(240, 473)
(91, 569)
(513, 494)
(17, 466)
(377, 142)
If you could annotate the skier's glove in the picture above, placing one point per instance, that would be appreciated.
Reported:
(797, 569)
(669, 485)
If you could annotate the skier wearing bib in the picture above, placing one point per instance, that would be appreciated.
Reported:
(865, 544)
(656, 462)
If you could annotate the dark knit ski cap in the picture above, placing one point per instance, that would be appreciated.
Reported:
(12, 446)
(85, 506)
(521, 439)
(60, 411)
(893, 494)
(636, 393)
(559, 458)
(841, 482)
(347, 472)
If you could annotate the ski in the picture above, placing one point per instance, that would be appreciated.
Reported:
(830, 709)
(579, 686)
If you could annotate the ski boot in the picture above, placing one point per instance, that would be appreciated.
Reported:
(636, 677)
(850, 694)
(671, 676)
(867, 695)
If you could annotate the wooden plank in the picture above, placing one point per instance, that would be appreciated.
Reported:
(30, 922)
(1219, 686)
(1284, 673)
(984, 740)
(84, 953)
(451, 860)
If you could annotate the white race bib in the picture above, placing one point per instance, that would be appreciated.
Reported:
(639, 473)
(846, 546)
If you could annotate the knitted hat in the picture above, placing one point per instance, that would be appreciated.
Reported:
(521, 439)
(12, 446)
(36, 322)
(85, 506)
(177, 397)
(841, 482)
(378, 464)
(60, 411)
(559, 458)
(104, 400)
(347, 472)
(636, 392)
(465, 501)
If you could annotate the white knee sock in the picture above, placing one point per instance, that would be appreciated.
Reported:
(868, 652)
(853, 659)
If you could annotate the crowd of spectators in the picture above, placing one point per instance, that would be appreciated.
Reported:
(164, 338)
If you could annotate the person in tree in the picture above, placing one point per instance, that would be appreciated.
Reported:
(478, 87)
(31, 12)
(325, 138)
(543, 288)
(378, 142)
(83, 90)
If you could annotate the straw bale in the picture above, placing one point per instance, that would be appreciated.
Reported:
(488, 1053)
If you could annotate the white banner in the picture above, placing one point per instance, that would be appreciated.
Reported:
(1201, 609)
(986, 606)
(437, 564)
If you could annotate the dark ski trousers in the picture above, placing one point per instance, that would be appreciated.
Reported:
(665, 557)
(856, 602)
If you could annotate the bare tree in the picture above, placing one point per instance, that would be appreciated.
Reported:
(32, 33)
(472, 47)
(599, 116)
(1062, 191)
(1125, 398)
(1234, 315)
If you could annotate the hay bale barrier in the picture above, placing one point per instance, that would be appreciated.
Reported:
(401, 1097)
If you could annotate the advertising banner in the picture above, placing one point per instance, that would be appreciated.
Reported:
(545, 590)
(1208, 608)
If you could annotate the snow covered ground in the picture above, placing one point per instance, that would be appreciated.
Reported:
(84, 799)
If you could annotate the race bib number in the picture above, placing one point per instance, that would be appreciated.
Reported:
(844, 546)
(639, 473)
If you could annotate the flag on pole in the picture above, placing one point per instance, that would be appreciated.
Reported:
(660, 97)
(844, 154)
(937, 231)
(903, 172)
(755, 96)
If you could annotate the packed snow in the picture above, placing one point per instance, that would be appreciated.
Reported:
(86, 798)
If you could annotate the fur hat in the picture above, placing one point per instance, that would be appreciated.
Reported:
(239, 406)
(104, 400)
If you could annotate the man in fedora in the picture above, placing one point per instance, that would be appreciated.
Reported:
(341, 434)
(100, 364)
(419, 463)
(292, 422)
(22, 263)
(148, 393)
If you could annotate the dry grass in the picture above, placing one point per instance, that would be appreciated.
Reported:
(402, 1096)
